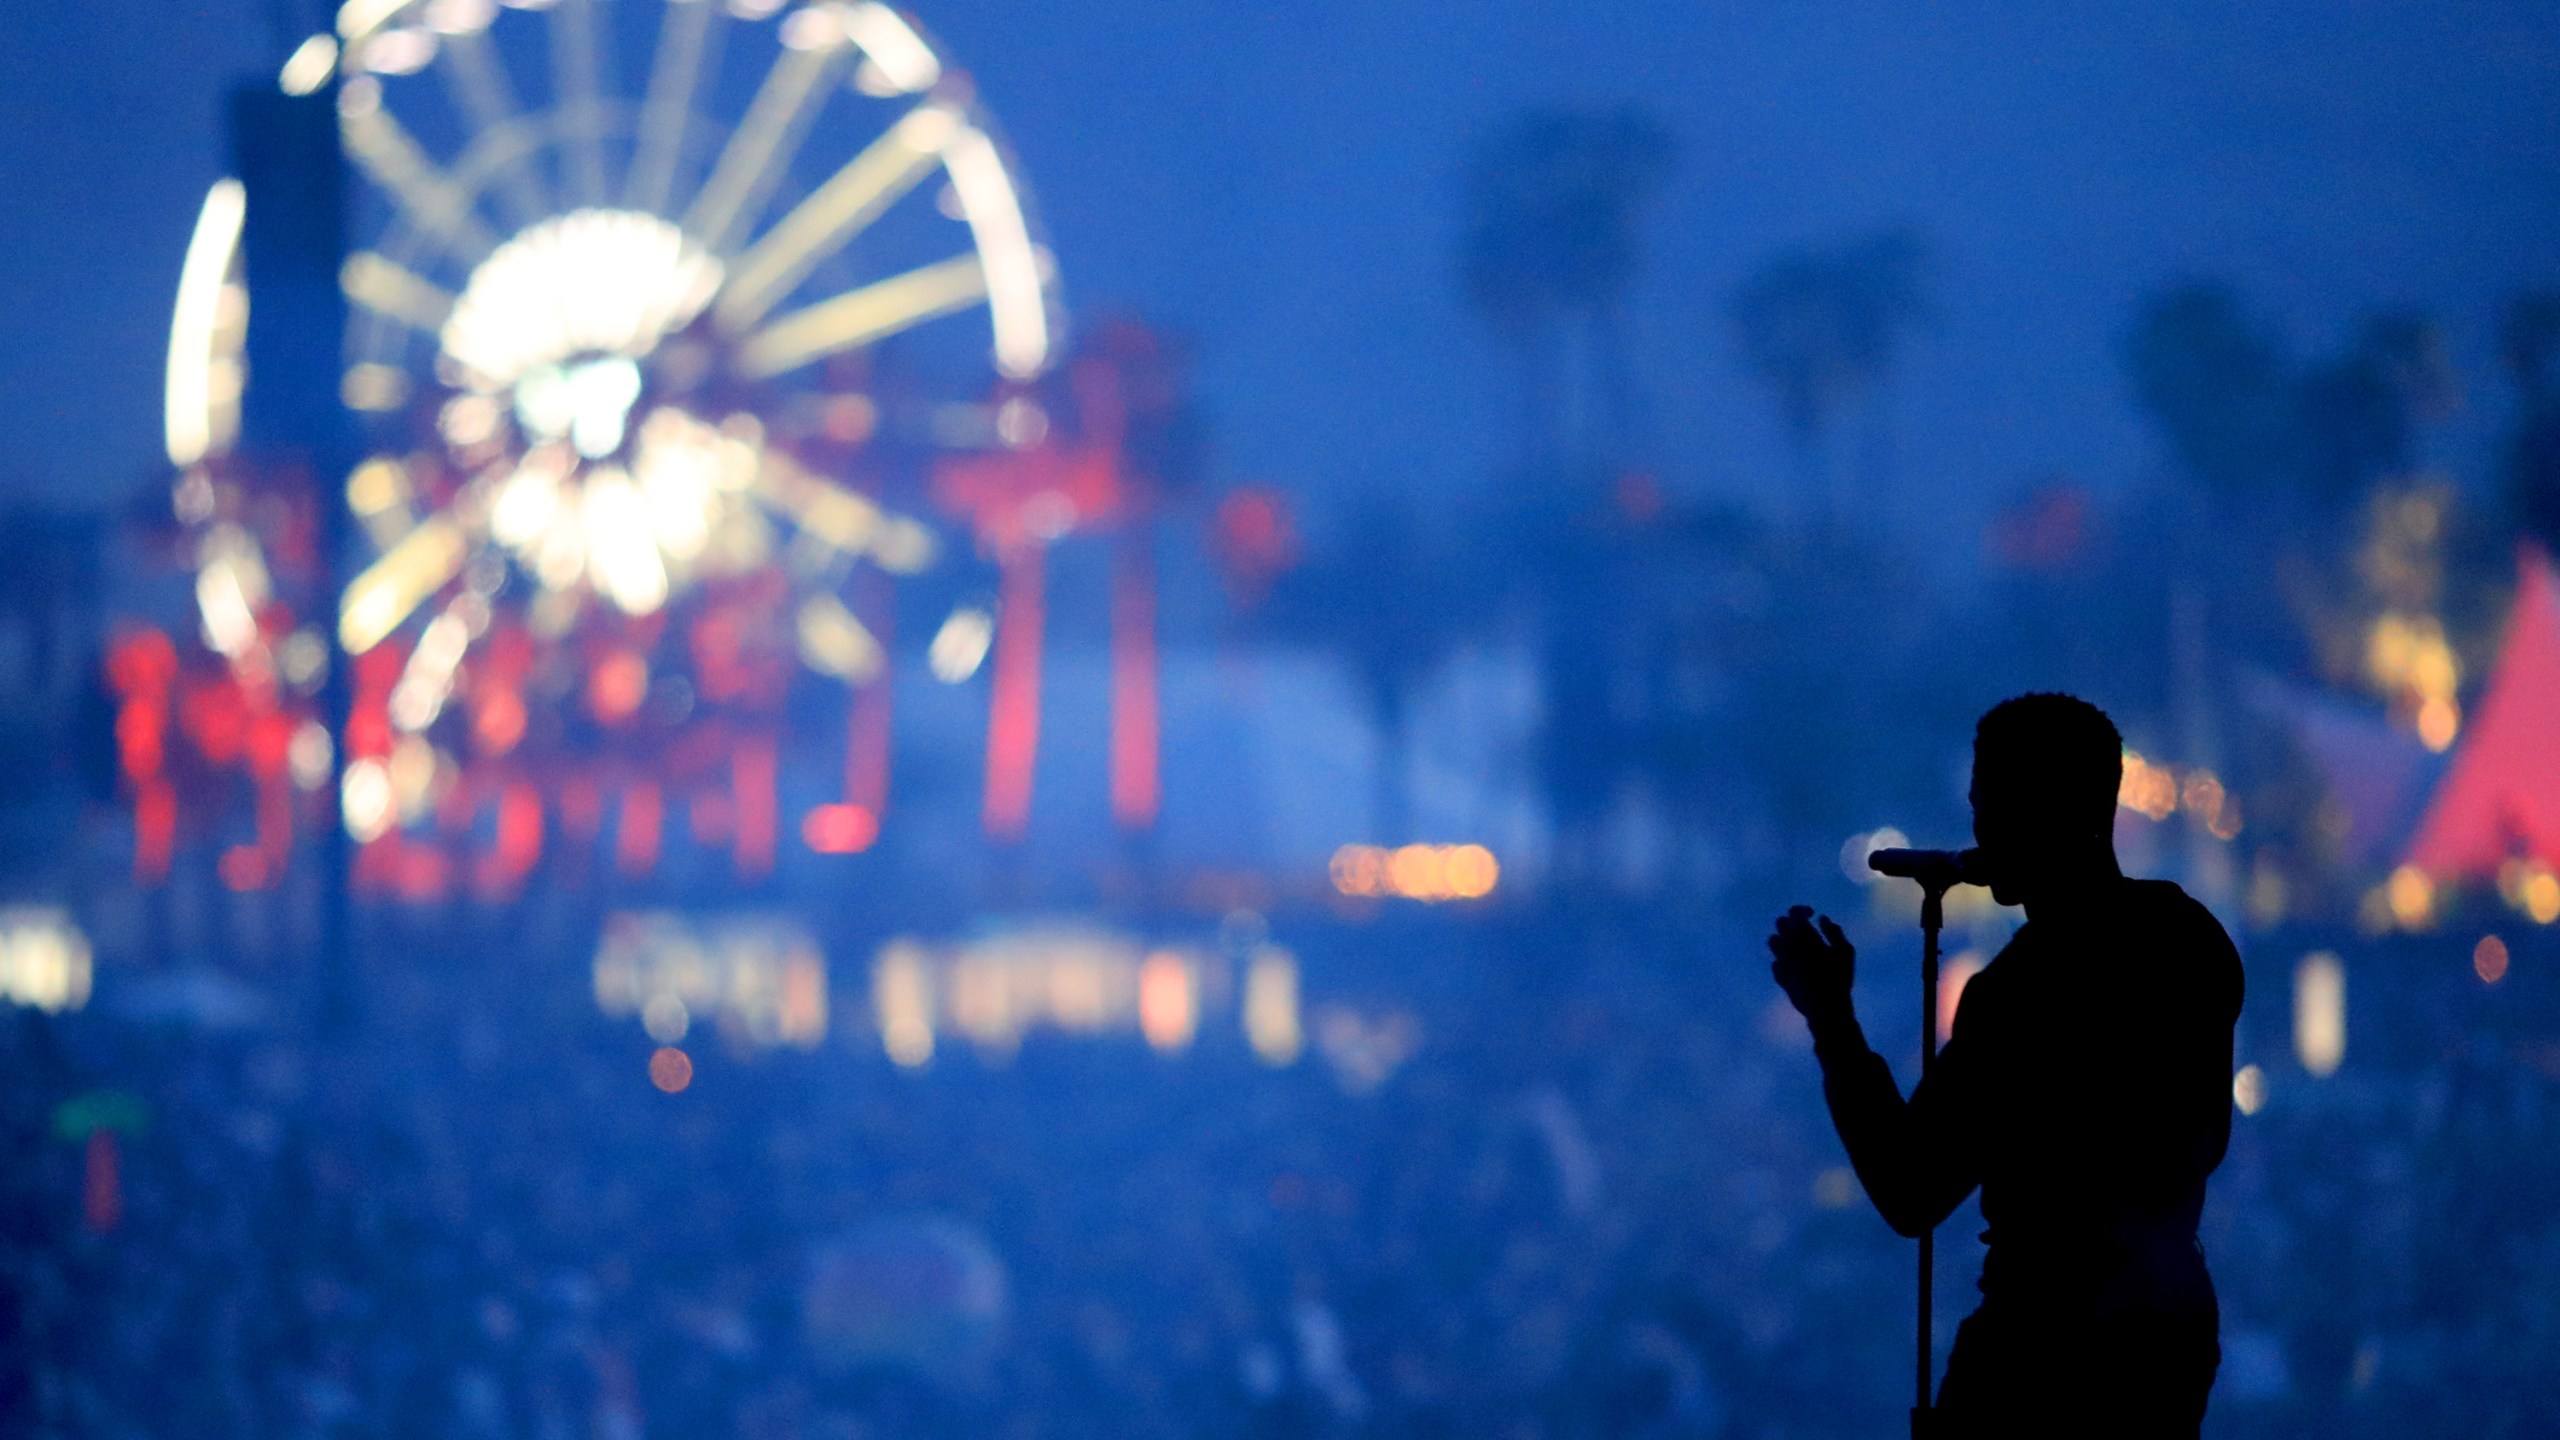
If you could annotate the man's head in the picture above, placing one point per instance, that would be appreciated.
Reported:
(2045, 773)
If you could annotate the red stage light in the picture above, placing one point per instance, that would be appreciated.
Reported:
(840, 829)
(242, 868)
(617, 685)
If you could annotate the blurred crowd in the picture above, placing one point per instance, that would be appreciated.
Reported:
(1601, 1199)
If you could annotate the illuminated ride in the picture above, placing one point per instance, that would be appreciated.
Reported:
(642, 369)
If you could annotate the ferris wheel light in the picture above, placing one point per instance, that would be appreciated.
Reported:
(528, 500)
(610, 281)
(364, 799)
(621, 551)
(893, 51)
(359, 18)
(1017, 296)
(231, 583)
(390, 289)
(426, 682)
(200, 409)
(402, 51)
(309, 66)
(859, 317)
(960, 646)
(684, 467)
(834, 213)
(834, 642)
(459, 17)
(814, 27)
(391, 588)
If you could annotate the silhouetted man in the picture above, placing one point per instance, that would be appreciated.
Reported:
(2086, 1089)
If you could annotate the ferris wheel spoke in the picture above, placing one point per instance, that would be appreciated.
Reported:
(833, 517)
(577, 68)
(864, 317)
(477, 80)
(834, 213)
(765, 141)
(688, 42)
(395, 162)
(391, 589)
(394, 292)
(1017, 270)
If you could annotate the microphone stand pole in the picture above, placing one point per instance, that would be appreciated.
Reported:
(1933, 918)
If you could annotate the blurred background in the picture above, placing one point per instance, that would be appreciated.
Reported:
(785, 719)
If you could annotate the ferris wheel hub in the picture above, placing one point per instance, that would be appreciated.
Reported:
(591, 282)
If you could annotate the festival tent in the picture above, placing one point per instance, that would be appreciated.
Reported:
(2501, 797)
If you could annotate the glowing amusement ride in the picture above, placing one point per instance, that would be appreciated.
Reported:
(662, 389)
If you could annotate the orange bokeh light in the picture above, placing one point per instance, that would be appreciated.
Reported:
(670, 1069)
(617, 685)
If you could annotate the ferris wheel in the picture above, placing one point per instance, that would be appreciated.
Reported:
(648, 301)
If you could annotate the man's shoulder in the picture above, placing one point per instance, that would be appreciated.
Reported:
(2166, 903)
(2187, 933)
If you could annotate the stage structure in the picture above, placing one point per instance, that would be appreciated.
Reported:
(668, 327)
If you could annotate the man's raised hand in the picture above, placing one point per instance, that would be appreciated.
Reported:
(1814, 966)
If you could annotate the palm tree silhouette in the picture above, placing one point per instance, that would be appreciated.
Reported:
(1549, 250)
(1822, 326)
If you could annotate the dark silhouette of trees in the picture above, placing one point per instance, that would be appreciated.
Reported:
(1551, 244)
(1822, 327)
(1380, 593)
(2213, 378)
(2529, 344)
(2246, 425)
(2355, 420)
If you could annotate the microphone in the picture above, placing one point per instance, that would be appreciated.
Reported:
(1934, 869)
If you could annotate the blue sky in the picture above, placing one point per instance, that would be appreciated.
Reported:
(1280, 182)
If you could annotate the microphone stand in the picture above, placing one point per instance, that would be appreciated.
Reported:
(1933, 918)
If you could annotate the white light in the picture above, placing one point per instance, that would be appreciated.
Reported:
(895, 52)
(960, 646)
(459, 17)
(358, 18)
(834, 642)
(560, 556)
(230, 585)
(44, 959)
(413, 768)
(902, 999)
(309, 66)
(528, 500)
(814, 27)
(427, 680)
(621, 551)
(600, 396)
(680, 468)
(1271, 1006)
(404, 51)
(609, 281)
(306, 756)
(468, 420)
(2249, 1089)
(1017, 299)
(194, 422)
(2320, 1012)
(304, 659)
(365, 797)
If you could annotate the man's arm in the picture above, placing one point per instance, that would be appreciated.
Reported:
(1915, 1158)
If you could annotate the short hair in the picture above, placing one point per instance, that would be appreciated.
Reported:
(2066, 750)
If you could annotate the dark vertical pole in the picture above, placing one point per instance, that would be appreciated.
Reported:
(1933, 917)
(293, 239)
